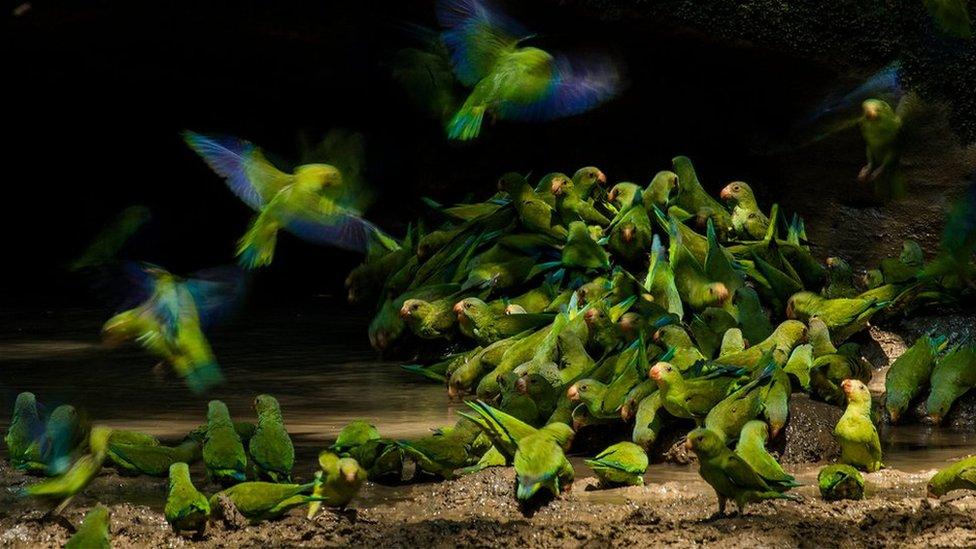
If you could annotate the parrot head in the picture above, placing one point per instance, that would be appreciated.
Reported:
(592, 316)
(876, 108)
(411, 307)
(704, 442)
(510, 182)
(855, 390)
(266, 403)
(560, 184)
(734, 191)
(468, 307)
(719, 292)
(590, 175)
(578, 390)
(25, 406)
(662, 372)
(630, 323)
(350, 471)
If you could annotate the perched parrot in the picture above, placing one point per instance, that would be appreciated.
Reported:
(694, 397)
(572, 206)
(512, 82)
(154, 461)
(355, 433)
(739, 195)
(840, 481)
(93, 532)
(430, 319)
(541, 464)
(582, 251)
(172, 315)
(223, 451)
(751, 447)
(960, 475)
(478, 321)
(623, 463)
(881, 128)
(855, 431)
(341, 479)
(840, 279)
(729, 475)
(259, 501)
(954, 374)
(693, 198)
(64, 433)
(186, 508)
(25, 434)
(909, 374)
(727, 417)
(271, 448)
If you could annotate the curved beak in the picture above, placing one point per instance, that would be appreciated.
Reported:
(590, 316)
(688, 445)
(601, 177)
(556, 186)
(726, 192)
(350, 476)
(458, 308)
(627, 234)
(573, 393)
(521, 386)
(404, 312)
(655, 372)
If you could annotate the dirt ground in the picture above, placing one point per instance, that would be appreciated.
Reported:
(675, 506)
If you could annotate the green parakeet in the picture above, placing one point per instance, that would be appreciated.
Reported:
(648, 420)
(729, 475)
(93, 532)
(477, 321)
(64, 432)
(840, 481)
(541, 464)
(259, 501)
(881, 128)
(223, 451)
(355, 433)
(739, 195)
(660, 191)
(623, 463)
(799, 365)
(341, 479)
(694, 397)
(693, 198)
(65, 486)
(751, 447)
(170, 321)
(829, 372)
(442, 454)
(271, 448)
(727, 416)
(909, 374)
(751, 316)
(533, 212)
(318, 202)
(25, 434)
(582, 251)
(429, 320)
(855, 431)
(905, 267)
(512, 82)
(953, 375)
(573, 207)
(187, 509)
(960, 475)
(631, 234)
(843, 316)
(696, 289)
(154, 461)
(781, 342)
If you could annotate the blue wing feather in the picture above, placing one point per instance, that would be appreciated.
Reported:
(228, 157)
(576, 86)
(478, 33)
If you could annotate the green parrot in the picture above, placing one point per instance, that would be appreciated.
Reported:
(622, 194)
(709, 327)
(855, 431)
(477, 321)
(582, 251)
(151, 460)
(751, 447)
(829, 371)
(686, 354)
(727, 416)
(25, 434)
(751, 316)
(732, 342)
(505, 431)
(170, 322)
(907, 266)
(660, 191)
(776, 401)
(65, 486)
(260, 501)
(515, 402)
(223, 451)
(843, 316)
(696, 289)
(93, 532)
(695, 397)
(799, 365)
(533, 212)
(64, 432)
(729, 475)
(573, 207)
(443, 454)
(881, 128)
(693, 198)
(960, 475)
(739, 195)
(819, 337)
(187, 509)
(621, 464)
(840, 481)
(593, 394)
(271, 448)
(541, 464)
(546, 185)
(631, 234)
(122, 436)
(589, 180)
(320, 203)
(341, 479)
(542, 393)
(355, 433)
(909, 374)
(781, 342)
(429, 320)
(512, 82)
(953, 375)
(718, 263)
(840, 279)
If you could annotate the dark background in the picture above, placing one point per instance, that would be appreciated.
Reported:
(99, 91)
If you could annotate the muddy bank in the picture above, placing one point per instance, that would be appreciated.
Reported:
(481, 510)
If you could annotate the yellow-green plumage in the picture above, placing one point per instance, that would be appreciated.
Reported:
(855, 431)
(93, 532)
(623, 463)
(338, 482)
(187, 509)
(960, 475)
(271, 448)
(223, 452)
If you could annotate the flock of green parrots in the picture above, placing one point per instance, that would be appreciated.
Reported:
(251, 462)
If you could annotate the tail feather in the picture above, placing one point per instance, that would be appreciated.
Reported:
(466, 124)
(256, 248)
(202, 378)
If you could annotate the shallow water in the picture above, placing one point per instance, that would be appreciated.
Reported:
(315, 360)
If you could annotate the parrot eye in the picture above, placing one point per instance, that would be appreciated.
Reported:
(735, 188)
